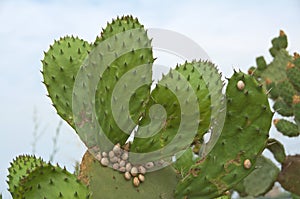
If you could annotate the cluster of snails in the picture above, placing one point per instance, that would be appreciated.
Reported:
(118, 159)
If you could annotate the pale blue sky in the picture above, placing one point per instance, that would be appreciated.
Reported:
(233, 33)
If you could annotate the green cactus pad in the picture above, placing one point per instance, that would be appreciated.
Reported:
(272, 89)
(174, 92)
(261, 63)
(128, 75)
(289, 177)
(243, 138)
(119, 25)
(286, 127)
(293, 74)
(286, 91)
(275, 71)
(20, 168)
(278, 43)
(277, 149)
(281, 78)
(60, 66)
(51, 182)
(281, 107)
(297, 114)
(106, 183)
(261, 180)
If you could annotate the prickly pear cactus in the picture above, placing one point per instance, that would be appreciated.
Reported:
(248, 118)
(31, 177)
(281, 78)
(273, 71)
(126, 40)
(51, 182)
(103, 90)
(20, 168)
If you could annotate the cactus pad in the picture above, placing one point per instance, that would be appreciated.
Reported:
(248, 121)
(261, 180)
(277, 149)
(51, 182)
(127, 38)
(60, 66)
(20, 168)
(104, 182)
(177, 92)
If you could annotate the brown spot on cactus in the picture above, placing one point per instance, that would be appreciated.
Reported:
(251, 71)
(281, 33)
(83, 174)
(195, 172)
(290, 65)
(268, 81)
(236, 161)
(221, 185)
(126, 147)
(296, 99)
(275, 121)
(296, 55)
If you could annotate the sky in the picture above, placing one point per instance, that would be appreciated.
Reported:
(233, 34)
